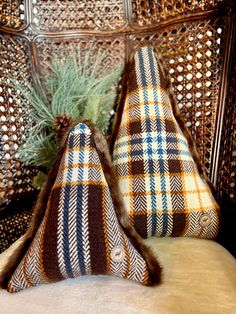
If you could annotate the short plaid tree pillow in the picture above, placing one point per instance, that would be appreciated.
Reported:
(80, 233)
(159, 180)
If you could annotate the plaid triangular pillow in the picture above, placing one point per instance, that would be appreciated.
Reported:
(81, 232)
(162, 189)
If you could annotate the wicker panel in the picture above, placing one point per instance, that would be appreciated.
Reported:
(153, 12)
(227, 165)
(48, 48)
(15, 178)
(51, 15)
(191, 52)
(12, 14)
(12, 226)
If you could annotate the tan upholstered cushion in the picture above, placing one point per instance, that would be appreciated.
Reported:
(199, 278)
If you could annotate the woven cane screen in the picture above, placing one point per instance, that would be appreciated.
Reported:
(48, 48)
(12, 14)
(227, 165)
(153, 11)
(15, 178)
(12, 226)
(51, 15)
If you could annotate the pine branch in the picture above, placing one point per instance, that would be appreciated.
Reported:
(74, 90)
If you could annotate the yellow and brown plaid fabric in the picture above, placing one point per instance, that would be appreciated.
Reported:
(162, 189)
(80, 233)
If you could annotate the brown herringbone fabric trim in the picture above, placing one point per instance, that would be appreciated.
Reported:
(49, 259)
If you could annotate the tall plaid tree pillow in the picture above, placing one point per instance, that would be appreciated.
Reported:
(162, 189)
(80, 233)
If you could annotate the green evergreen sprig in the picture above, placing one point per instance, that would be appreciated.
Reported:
(74, 89)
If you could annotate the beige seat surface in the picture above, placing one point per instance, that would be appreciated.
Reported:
(199, 277)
